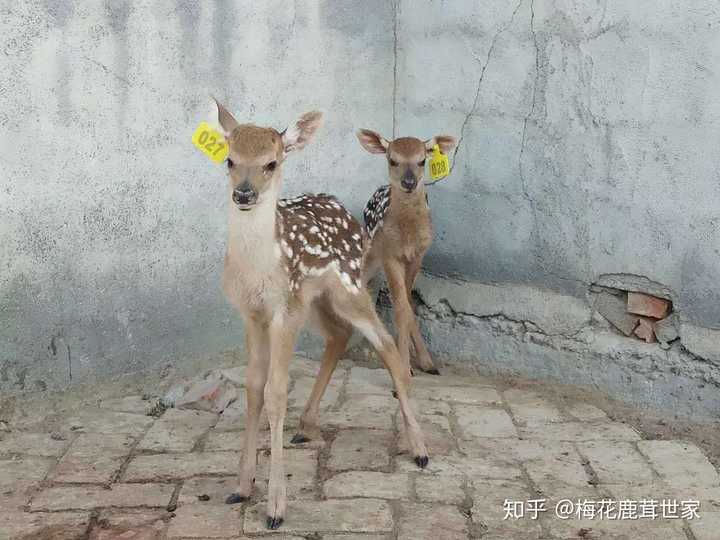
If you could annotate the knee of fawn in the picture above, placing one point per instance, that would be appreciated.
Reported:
(397, 219)
(288, 259)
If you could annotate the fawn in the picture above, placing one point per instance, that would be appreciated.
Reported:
(397, 220)
(288, 260)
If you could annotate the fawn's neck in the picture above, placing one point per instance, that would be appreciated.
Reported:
(251, 234)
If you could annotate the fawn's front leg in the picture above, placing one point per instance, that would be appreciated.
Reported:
(421, 352)
(283, 329)
(405, 322)
(256, 339)
(402, 311)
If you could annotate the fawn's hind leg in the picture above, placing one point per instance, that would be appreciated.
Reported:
(337, 334)
(358, 310)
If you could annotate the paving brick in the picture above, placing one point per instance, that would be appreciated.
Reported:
(167, 467)
(431, 521)
(109, 422)
(235, 375)
(300, 469)
(32, 444)
(89, 497)
(42, 526)
(332, 515)
(470, 395)
(617, 529)
(369, 381)
(355, 537)
(488, 509)
(708, 497)
(647, 305)
(370, 484)
(680, 464)
(216, 488)
(439, 441)
(707, 527)
(305, 367)
(484, 422)
(211, 395)
(302, 387)
(617, 462)
(126, 533)
(586, 412)
(549, 463)
(360, 449)
(206, 520)
(440, 488)
(23, 470)
(128, 404)
(94, 458)
(581, 431)
(476, 467)
(177, 431)
(222, 441)
(125, 518)
(371, 411)
(530, 409)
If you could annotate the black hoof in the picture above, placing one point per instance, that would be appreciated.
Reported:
(421, 461)
(299, 438)
(235, 498)
(433, 371)
(394, 393)
(274, 522)
(412, 373)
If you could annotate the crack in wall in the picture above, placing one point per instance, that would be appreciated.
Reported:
(532, 108)
(480, 81)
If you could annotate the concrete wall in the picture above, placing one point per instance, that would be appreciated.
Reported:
(588, 135)
(112, 225)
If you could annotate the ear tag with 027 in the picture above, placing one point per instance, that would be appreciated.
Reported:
(210, 142)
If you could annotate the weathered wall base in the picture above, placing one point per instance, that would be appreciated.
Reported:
(514, 330)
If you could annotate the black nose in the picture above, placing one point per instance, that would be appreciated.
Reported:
(244, 196)
(409, 183)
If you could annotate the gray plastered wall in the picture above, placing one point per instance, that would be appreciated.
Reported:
(588, 152)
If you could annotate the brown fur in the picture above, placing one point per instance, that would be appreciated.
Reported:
(399, 246)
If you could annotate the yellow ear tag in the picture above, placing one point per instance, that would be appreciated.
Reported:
(210, 142)
(439, 164)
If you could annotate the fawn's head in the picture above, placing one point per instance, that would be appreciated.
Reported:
(405, 156)
(257, 153)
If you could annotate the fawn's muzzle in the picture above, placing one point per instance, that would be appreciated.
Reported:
(244, 197)
(408, 182)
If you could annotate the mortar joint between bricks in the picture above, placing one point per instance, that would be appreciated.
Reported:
(131, 454)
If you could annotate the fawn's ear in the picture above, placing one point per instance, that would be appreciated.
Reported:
(372, 142)
(445, 142)
(225, 119)
(298, 134)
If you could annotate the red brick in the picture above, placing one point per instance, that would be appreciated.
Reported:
(645, 330)
(647, 305)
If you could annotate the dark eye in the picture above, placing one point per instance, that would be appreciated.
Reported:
(421, 163)
(392, 163)
(270, 167)
(230, 163)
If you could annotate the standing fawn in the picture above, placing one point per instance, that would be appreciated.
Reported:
(288, 260)
(397, 220)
